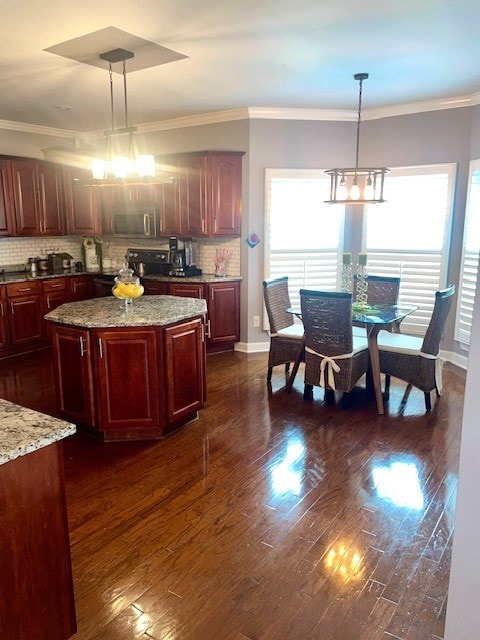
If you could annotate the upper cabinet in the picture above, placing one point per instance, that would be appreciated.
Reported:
(7, 220)
(82, 204)
(210, 193)
(38, 197)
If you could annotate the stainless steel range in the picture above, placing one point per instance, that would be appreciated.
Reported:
(149, 261)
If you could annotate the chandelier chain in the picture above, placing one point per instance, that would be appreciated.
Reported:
(359, 120)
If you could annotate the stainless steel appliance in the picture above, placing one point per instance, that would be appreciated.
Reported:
(136, 222)
(149, 261)
(183, 257)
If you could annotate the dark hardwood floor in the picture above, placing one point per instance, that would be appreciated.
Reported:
(269, 518)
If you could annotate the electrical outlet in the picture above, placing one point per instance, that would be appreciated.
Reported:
(256, 321)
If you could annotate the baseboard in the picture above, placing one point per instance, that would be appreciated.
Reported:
(455, 358)
(252, 347)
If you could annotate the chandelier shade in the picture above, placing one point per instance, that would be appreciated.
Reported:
(357, 185)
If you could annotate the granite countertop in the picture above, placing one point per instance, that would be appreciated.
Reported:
(24, 430)
(26, 276)
(204, 278)
(145, 311)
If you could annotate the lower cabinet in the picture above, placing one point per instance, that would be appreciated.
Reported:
(102, 287)
(223, 303)
(223, 313)
(25, 313)
(79, 288)
(74, 383)
(130, 383)
(4, 337)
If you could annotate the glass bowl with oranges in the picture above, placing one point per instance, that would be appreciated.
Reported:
(127, 287)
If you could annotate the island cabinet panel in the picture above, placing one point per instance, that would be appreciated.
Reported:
(223, 313)
(82, 204)
(36, 588)
(73, 374)
(185, 369)
(25, 313)
(127, 378)
(4, 341)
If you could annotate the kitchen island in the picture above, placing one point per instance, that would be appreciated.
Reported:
(36, 589)
(130, 375)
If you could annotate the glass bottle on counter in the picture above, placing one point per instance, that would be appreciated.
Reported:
(127, 287)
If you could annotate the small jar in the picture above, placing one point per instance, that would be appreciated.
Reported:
(127, 287)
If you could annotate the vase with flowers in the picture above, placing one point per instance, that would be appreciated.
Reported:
(220, 262)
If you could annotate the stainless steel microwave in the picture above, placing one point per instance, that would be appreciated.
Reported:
(138, 222)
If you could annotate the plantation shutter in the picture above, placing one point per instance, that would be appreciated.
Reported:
(470, 257)
(303, 235)
(408, 236)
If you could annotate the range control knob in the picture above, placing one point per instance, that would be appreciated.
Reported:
(160, 256)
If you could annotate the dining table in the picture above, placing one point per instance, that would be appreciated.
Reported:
(373, 317)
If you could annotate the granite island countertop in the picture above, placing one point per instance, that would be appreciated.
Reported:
(110, 312)
(23, 430)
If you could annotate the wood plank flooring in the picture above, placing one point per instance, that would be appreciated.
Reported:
(269, 518)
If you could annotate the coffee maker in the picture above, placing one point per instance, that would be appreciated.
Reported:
(183, 257)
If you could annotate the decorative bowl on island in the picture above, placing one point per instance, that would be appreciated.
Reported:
(127, 287)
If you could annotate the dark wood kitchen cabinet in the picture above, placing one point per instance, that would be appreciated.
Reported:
(184, 358)
(207, 200)
(71, 349)
(79, 288)
(155, 288)
(127, 379)
(36, 589)
(38, 198)
(223, 300)
(25, 313)
(7, 218)
(55, 293)
(187, 289)
(82, 204)
(4, 340)
(130, 383)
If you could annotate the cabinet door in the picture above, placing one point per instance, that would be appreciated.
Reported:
(7, 227)
(82, 204)
(24, 175)
(127, 376)
(187, 290)
(79, 288)
(185, 366)
(167, 198)
(152, 288)
(225, 173)
(102, 287)
(50, 199)
(193, 197)
(4, 342)
(73, 374)
(25, 319)
(224, 312)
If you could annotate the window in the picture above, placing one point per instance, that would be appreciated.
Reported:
(408, 235)
(303, 235)
(470, 257)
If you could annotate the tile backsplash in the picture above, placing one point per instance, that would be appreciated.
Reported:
(16, 251)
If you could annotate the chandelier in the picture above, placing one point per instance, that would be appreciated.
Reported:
(358, 185)
(126, 166)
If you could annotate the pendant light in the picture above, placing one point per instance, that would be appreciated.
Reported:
(128, 167)
(358, 185)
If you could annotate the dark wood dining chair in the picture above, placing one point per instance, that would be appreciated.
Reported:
(414, 359)
(334, 358)
(380, 290)
(285, 335)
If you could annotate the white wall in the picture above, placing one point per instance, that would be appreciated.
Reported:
(463, 611)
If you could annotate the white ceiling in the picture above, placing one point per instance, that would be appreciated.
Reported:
(240, 53)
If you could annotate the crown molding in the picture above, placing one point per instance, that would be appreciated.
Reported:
(259, 113)
(23, 127)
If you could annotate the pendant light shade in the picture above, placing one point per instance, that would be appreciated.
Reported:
(357, 185)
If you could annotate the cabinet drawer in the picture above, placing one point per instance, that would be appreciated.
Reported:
(22, 288)
(54, 284)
